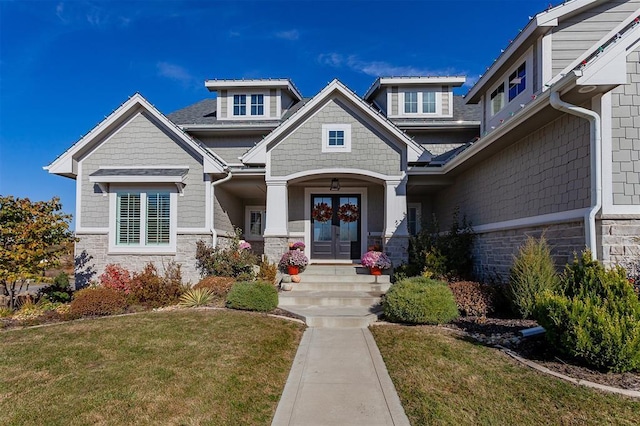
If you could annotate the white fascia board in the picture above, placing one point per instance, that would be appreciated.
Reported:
(611, 66)
(136, 179)
(546, 17)
(257, 154)
(282, 83)
(400, 81)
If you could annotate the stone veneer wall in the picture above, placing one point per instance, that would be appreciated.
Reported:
(96, 246)
(274, 247)
(620, 241)
(397, 248)
(493, 252)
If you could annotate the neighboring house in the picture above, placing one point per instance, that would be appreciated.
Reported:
(342, 172)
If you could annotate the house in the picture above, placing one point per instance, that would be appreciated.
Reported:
(546, 140)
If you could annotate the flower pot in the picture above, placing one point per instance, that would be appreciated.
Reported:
(293, 270)
(374, 270)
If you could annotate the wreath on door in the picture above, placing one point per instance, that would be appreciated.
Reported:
(348, 213)
(322, 212)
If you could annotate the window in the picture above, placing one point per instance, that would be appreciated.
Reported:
(410, 102)
(239, 104)
(257, 104)
(518, 81)
(255, 221)
(336, 138)
(414, 218)
(497, 100)
(429, 102)
(143, 219)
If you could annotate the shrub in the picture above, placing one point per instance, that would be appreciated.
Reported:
(6, 312)
(97, 301)
(28, 311)
(58, 291)
(420, 301)
(594, 316)
(474, 299)
(253, 296)
(533, 271)
(226, 262)
(219, 286)
(268, 271)
(151, 290)
(443, 254)
(116, 277)
(196, 297)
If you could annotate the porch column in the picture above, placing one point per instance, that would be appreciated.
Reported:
(395, 212)
(277, 210)
(396, 234)
(276, 229)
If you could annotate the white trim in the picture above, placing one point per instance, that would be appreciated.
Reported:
(296, 234)
(545, 219)
(605, 110)
(362, 191)
(545, 61)
(192, 231)
(266, 105)
(333, 171)
(454, 81)
(79, 198)
(89, 231)
(437, 90)
(345, 128)
(143, 248)
(136, 179)
(214, 85)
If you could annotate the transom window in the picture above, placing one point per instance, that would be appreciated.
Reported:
(497, 99)
(143, 219)
(239, 104)
(518, 81)
(257, 104)
(336, 138)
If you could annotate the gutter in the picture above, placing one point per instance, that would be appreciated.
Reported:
(214, 233)
(596, 163)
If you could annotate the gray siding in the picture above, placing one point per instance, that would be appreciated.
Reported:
(228, 211)
(625, 101)
(446, 99)
(229, 146)
(296, 208)
(142, 143)
(545, 172)
(223, 104)
(394, 100)
(375, 208)
(273, 104)
(580, 32)
(302, 149)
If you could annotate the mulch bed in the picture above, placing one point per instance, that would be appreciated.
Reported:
(504, 332)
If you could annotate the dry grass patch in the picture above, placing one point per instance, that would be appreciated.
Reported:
(181, 367)
(443, 379)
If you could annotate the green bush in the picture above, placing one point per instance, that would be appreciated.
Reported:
(253, 296)
(97, 301)
(420, 300)
(594, 316)
(226, 262)
(533, 271)
(58, 291)
(443, 254)
(196, 297)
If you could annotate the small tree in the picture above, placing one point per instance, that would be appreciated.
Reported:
(32, 237)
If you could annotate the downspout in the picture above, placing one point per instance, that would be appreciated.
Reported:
(596, 163)
(214, 233)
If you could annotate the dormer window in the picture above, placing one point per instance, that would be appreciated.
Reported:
(239, 104)
(497, 100)
(257, 104)
(420, 102)
(518, 81)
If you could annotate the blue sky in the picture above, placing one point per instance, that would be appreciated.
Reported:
(65, 65)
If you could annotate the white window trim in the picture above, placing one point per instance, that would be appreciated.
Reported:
(143, 248)
(420, 113)
(418, 208)
(346, 128)
(267, 105)
(247, 222)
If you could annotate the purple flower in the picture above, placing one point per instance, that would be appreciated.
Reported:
(244, 245)
(293, 258)
(376, 259)
(298, 245)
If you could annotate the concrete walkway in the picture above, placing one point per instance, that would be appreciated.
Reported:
(338, 378)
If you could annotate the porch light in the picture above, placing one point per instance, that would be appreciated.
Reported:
(335, 185)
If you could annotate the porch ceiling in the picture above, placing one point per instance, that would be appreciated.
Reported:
(418, 185)
(246, 186)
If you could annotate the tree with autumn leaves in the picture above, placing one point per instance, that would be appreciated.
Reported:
(33, 236)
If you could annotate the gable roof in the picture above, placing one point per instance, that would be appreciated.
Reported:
(257, 154)
(380, 82)
(266, 83)
(65, 163)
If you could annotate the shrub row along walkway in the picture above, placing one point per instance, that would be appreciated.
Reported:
(339, 377)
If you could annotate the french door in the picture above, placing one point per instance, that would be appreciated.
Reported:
(335, 227)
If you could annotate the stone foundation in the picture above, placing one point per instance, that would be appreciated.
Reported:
(397, 248)
(92, 257)
(619, 240)
(274, 247)
(493, 252)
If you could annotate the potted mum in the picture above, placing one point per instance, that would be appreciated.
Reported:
(292, 261)
(376, 261)
(298, 245)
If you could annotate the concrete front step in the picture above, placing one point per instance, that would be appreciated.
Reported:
(330, 298)
(335, 316)
(322, 278)
(318, 269)
(340, 286)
